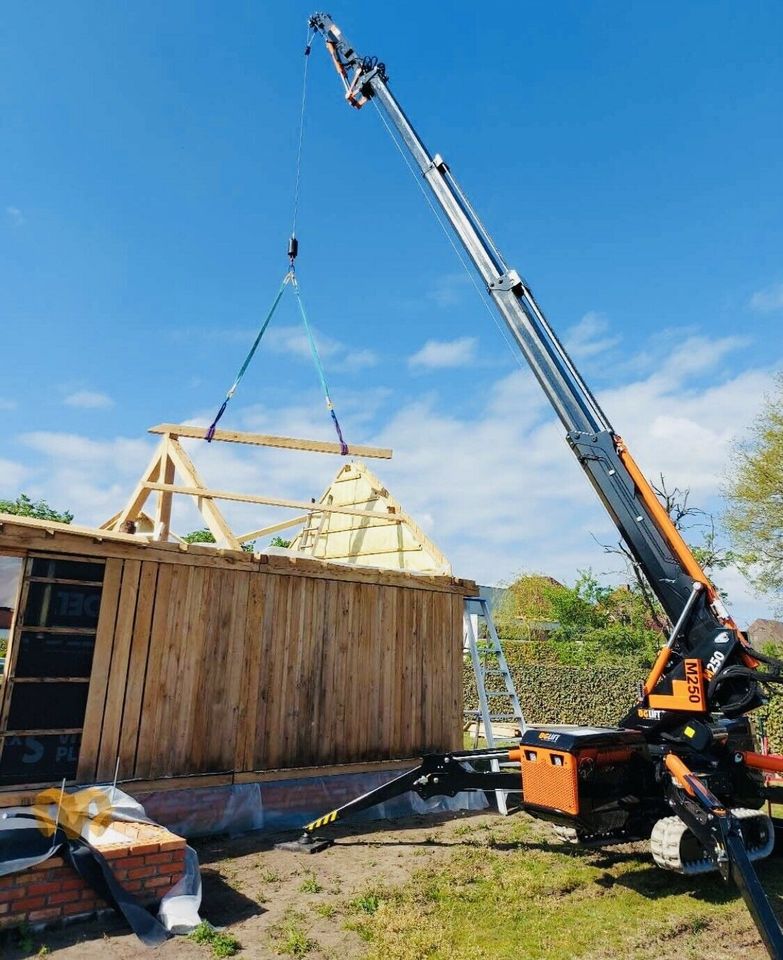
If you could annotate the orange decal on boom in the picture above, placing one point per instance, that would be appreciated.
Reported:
(679, 548)
(687, 694)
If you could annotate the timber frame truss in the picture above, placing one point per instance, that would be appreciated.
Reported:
(171, 471)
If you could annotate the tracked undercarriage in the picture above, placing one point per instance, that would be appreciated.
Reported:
(674, 847)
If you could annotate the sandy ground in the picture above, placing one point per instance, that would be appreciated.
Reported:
(252, 889)
(249, 887)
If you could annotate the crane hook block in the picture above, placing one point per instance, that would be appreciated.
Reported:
(293, 248)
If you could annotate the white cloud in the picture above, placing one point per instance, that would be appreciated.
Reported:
(440, 354)
(768, 300)
(356, 360)
(92, 478)
(74, 448)
(89, 400)
(499, 490)
(289, 339)
(506, 494)
(449, 290)
(12, 475)
(590, 336)
(334, 354)
(15, 216)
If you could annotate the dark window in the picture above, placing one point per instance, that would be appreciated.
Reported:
(55, 639)
(63, 569)
(54, 654)
(62, 605)
(47, 706)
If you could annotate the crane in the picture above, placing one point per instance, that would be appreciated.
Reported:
(680, 768)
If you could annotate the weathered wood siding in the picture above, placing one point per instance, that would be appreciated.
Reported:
(206, 663)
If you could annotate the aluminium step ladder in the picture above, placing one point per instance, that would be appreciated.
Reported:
(497, 696)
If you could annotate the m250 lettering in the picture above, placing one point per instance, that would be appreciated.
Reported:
(715, 662)
(693, 681)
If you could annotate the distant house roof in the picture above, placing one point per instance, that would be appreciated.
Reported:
(764, 631)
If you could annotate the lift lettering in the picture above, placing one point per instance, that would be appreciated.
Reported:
(715, 663)
(693, 681)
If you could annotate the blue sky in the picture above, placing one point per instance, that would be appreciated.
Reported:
(625, 156)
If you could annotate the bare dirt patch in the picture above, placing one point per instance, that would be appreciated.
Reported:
(457, 887)
(254, 890)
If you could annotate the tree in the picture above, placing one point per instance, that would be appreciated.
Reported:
(199, 536)
(527, 607)
(754, 517)
(206, 536)
(698, 524)
(23, 506)
(587, 624)
(279, 542)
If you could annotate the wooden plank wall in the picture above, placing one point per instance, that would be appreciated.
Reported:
(203, 669)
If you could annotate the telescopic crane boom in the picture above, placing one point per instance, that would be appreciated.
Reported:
(686, 747)
(703, 629)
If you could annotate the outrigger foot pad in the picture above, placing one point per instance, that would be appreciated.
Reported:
(307, 843)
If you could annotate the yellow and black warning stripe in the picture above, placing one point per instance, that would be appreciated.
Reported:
(322, 821)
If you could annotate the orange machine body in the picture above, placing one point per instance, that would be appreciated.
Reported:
(583, 774)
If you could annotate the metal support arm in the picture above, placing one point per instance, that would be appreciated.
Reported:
(438, 775)
(588, 429)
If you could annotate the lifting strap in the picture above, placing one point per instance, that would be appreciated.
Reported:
(290, 277)
(318, 365)
(211, 432)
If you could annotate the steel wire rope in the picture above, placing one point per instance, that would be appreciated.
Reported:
(298, 175)
(465, 266)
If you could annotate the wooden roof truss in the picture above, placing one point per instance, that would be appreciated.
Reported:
(171, 471)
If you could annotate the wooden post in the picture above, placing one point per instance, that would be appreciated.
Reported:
(163, 510)
(139, 496)
(213, 518)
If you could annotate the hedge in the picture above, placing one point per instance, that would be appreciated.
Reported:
(588, 696)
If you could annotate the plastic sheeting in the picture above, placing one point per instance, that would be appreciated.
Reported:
(27, 838)
(206, 811)
(280, 805)
(179, 908)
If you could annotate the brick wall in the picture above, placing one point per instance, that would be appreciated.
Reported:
(148, 865)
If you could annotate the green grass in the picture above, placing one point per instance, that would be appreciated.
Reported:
(291, 938)
(221, 943)
(518, 894)
(326, 910)
(310, 885)
(366, 902)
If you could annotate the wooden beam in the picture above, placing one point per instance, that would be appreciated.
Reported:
(209, 494)
(19, 535)
(163, 509)
(273, 528)
(139, 496)
(265, 440)
(14, 796)
(213, 518)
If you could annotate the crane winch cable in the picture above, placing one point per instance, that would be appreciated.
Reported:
(290, 278)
